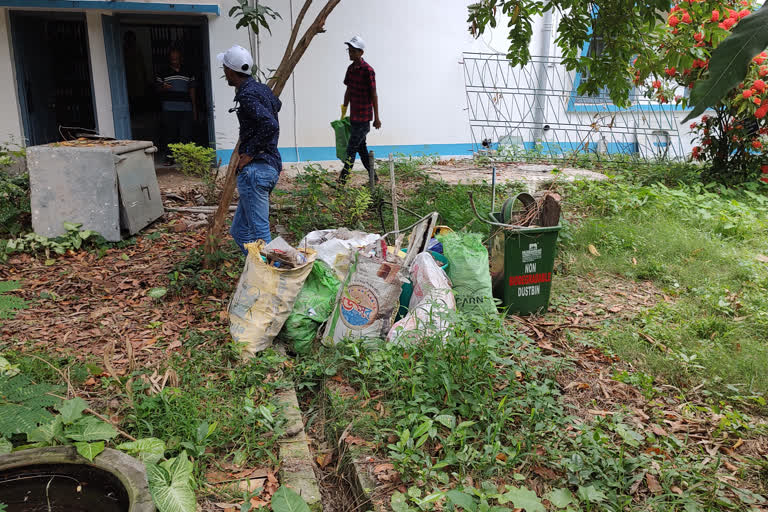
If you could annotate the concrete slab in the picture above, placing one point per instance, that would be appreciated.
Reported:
(296, 470)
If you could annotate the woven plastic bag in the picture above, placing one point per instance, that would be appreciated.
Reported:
(342, 128)
(263, 299)
(313, 307)
(431, 302)
(469, 272)
(367, 301)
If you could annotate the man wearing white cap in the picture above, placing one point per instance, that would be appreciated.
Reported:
(260, 163)
(361, 93)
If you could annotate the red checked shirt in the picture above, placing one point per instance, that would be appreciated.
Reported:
(361, 81)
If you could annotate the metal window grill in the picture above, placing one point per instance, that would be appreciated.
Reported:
(535, 108)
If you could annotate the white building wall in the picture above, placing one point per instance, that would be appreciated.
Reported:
(99, 72)
(10, 117)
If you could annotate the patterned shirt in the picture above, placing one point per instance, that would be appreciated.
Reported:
(176, 99)
(361, 83)
(259, 125)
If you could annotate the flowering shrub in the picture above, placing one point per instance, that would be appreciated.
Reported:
(733, 141)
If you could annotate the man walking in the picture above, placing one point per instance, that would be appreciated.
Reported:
(260, 164)
(178, 102)
(361, 92)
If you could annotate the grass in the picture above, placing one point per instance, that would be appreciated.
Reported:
(476, 419)
(214, 388)
(700, 247)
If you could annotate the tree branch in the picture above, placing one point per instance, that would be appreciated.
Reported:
(295, 31)
(286, 67)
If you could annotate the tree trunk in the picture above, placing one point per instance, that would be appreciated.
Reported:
(288, 63)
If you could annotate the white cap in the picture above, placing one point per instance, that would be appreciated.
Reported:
(356, 42)
(237, 59)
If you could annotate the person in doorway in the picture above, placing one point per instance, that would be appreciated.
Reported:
(361, 93)
(177, 88)
(260, 164)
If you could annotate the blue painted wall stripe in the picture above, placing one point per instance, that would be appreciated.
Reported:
(165, 7)
(313, 154)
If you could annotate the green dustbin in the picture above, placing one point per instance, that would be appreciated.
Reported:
(522, 260)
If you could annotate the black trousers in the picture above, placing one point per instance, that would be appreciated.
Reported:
(355, 145)
(175, 127)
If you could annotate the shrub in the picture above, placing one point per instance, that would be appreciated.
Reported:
(14, 193)
(732, 142)
(197, 161)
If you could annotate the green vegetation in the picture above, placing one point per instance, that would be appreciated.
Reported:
(10, 304)
(198, 161)
(706, 248)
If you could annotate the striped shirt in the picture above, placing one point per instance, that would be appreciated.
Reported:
(176, 99)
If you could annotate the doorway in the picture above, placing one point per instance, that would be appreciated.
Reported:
(147, 47)
(53, 74)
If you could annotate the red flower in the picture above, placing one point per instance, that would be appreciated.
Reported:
(707, 142)
(695, 152)
(733, 14)
(758, 85)
(704, 119)
(747, 93)
(698, 36)
(686, 17)
(764, 180)
(744, 12)
(715, 16)
(757, 144)
(730, 22)
(656, 84)
(744, 3)
(675, 8)
(693, 125)
(763, 71)
(760, 113)
(756, 101)
(675, 31)
(760, 58)
(673, 21)
(670, 71)
(764, 169)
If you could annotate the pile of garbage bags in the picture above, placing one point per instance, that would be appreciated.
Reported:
(353, 283)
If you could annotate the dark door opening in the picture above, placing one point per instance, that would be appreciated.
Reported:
(54, 74)
(167, 78)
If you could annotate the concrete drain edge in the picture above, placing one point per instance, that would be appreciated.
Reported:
(296, 466)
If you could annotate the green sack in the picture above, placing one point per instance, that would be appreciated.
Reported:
(469, 272)
(313, 306)
(342, 128)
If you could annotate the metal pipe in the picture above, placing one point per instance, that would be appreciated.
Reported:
(493, 188)
(540, 100)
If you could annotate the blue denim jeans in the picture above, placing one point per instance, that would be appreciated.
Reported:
(356, 145)
(254, 184)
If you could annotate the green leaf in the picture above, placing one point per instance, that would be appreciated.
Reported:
(71, 226)
(90, 429)
(399, 502)
(286, 500)
(730, 61)
(560, 498)
(446, 419)
(149, 450)
(157, 293)
(47, 433)
(18, 419)
(629, 436)
(90, 450)
(525, 499)
(72, 410)
(5, 446)
(171, 485)
(461, 499)
(591, 494)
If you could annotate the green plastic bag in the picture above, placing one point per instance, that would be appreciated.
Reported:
(342, 128)
(469, 272)
(313, 307)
